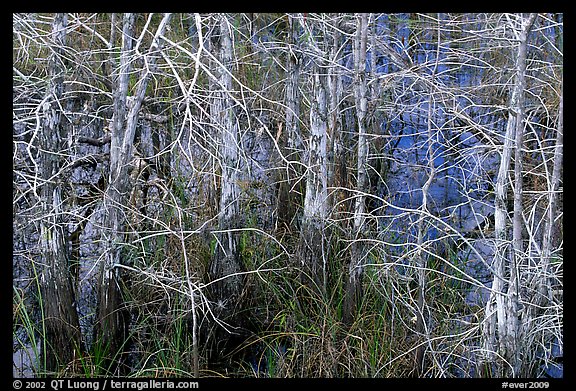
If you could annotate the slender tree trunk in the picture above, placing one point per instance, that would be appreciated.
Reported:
(546, 278)
(544, 268)
(111, 61)
(544, 282)
(112, 319)
(500, 333)
(337, 161)
(353, 291)
(422, 257)
(312, 251)
(62, 329)
(226, 263)
(289, 197)
(513, 333)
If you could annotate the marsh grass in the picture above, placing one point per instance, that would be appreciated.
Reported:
(294, 330)
(301, 333)
(27, 336)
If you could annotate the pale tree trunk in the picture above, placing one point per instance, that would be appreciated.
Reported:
(226, 263)
(500, 328)
(422, 257)
(311, 247)
(289, 194)
(112, 320)
(547, 241)
(513, 342)
(353, 292)
(62, 329)
(292, 117)
(111, 56)
(544, 282)
(337, 159)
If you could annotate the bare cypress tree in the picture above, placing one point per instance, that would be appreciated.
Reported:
(543, 283)
(292, 118)
(311, 247)
(421, 256)
(353, 291)
(337, 169)
(425, 120)
(63, 339)
(289, 194)
(500, 332)
(513, 333)
(226, 262)
(112, 321)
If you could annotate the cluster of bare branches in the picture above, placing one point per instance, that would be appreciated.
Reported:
(177, 164)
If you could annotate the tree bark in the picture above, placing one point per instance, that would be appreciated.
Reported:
(353, 292)
(62, 328)
(289, 195)
(422, 257)
(311, 247)
(112, 319)
(500, 333)
(544, 284)
(336, 156)
(226, 262)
